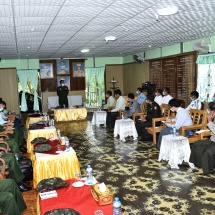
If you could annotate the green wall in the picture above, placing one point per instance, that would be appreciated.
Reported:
(20, 64)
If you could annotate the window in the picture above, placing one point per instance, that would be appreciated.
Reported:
(206, 82)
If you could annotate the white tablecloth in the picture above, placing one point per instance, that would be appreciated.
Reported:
(72, 101)
(125, 128)
(99, 117)
(175, 150)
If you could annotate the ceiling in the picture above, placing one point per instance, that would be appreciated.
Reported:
(64, 27)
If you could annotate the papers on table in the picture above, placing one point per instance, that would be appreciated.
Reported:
(48, 195)
(201, 131)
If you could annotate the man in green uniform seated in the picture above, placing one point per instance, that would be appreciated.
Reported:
(62, 92)
(14, 171)
(11, 200)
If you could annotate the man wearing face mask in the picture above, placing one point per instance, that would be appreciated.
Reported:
(62, 92)
(195, 102)
(141, 96)
(213, 98)
(120, 105)
(159, 97)
(111, 101)
(182, 118)
(166, 97)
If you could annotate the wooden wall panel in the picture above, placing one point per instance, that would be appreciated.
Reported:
(115, 71)
(9, 89)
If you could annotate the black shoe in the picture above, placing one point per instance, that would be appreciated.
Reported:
(26, 183)
(23, 187)
(23, 149)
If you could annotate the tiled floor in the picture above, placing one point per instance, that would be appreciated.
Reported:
(132, 172)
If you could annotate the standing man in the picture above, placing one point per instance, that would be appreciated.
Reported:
(62, 92)
(141, 96)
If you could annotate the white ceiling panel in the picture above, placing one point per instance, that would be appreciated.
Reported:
(63, 27)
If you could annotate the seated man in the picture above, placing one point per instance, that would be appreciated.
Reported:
(159, 97)
(111, 101)
(153, 111)
(14, 171)
(120, 105)
(141, 96)
(11, 200)
(195, 102)
(182, 119)
(166, 97)
(134, 107)
(203, 151)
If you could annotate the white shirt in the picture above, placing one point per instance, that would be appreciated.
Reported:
(196, 104)
(111, 101)
(120, 104)
(159, 100)
(182, 118)
(166, 99)
(2, 121)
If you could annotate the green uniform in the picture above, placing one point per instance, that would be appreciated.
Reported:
(14, 169)
(13, 146)
(17, 137)
(62, 92)
(11, 200)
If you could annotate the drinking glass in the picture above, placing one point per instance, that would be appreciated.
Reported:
(51, 135)
(98, 212)
(78, 176)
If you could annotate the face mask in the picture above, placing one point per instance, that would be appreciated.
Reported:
(62, 85)
(191, 98)
(137, 92)
(156, 94)
(106, 96)
(208, 112)
(172, 110)
(1, 109)
(213, 99)
(163, 94)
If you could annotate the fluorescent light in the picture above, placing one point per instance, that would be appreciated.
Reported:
(32, 29)
(85, 50)
(167, 11)
(28, 47)
(110, 38)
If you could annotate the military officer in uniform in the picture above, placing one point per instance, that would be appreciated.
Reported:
(11, 200)
(153, 111)
(62, 92)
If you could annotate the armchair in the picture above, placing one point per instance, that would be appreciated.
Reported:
(143, 112)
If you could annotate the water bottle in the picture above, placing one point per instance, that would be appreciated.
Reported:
(117, 207)
(58, 133)
(174, 131)
(89, 171)
(67, 145)
(122, 115)
(16, 156)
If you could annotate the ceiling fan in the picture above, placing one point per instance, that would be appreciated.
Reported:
(202, 47)
(139, 59)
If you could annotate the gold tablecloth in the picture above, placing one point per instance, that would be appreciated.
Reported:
(63, 165)
(39, 133)
(70, 114)
(33, 120)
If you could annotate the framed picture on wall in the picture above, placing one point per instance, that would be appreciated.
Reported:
(63, 67)
(78, 69)
(46, 70)
(66, 80)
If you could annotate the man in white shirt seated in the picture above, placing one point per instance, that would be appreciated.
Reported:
(195, 102)
(182, 118)
(120, 105)
(111, 101)
(159, 97)
(167, 97)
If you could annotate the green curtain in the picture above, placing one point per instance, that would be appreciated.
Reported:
(206, 59)
(33, 77)
(24, 75)
(99, 72)
(90, 72)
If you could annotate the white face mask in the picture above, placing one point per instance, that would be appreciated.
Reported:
(156, 94)
(213, 99)
(191, 98)
(172, 110)
(106, 96)
(137, 92)
(62, 85)
(1, 109)
(208, 112)
(163, 94)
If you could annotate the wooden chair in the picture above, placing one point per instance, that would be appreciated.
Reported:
(3, 168)
(156, 129)
(143, 108)
(199, 119)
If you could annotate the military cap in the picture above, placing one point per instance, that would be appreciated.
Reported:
(43, 148)
(39, 140)
(62, 211)
(51, 184)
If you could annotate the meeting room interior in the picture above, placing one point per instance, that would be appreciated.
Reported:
(107, 107)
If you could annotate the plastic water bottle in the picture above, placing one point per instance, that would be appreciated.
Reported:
(117, 210)
(67, 145)
(122, 115)
(174, 131)
(89, 171)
